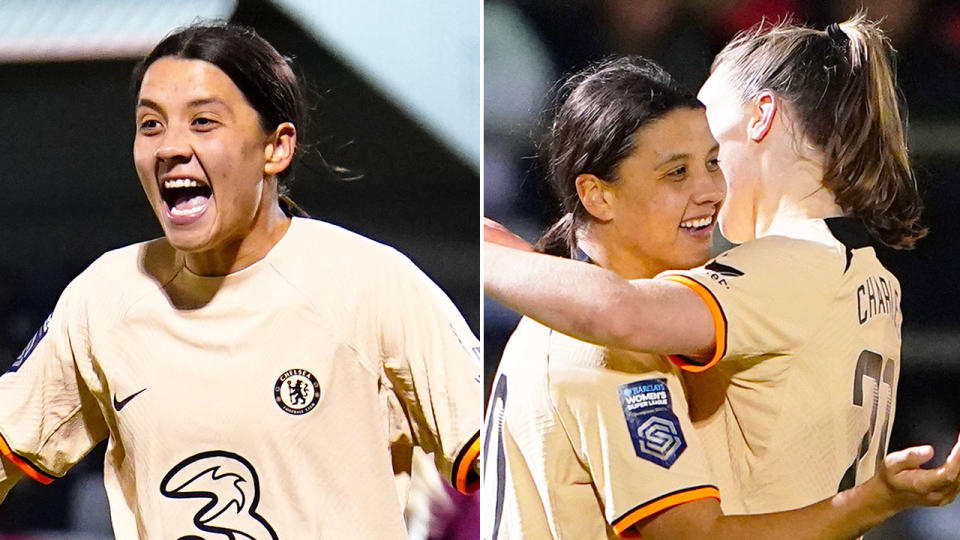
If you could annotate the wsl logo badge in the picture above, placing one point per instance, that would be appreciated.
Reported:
(297, 391)
(653, 426)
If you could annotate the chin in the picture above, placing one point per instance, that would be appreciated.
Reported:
(732, 231)
(188, 241)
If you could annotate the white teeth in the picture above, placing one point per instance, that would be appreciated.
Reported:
(697, 222)
(180, 183)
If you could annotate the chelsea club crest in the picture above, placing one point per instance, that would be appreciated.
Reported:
(297, 391)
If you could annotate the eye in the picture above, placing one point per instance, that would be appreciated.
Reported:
(713, 165)
(678, 173)
(149, 126)
(203, 123)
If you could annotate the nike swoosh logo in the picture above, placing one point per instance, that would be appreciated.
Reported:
(117, 405)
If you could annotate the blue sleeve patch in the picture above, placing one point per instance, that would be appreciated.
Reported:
(654, 428)
(34, 341)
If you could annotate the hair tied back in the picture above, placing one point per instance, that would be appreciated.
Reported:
(837, 35)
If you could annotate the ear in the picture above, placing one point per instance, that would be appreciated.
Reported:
(595, 196)
(765, 110)
(278, 152)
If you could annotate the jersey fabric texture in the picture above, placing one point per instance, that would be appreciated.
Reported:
(281, 401)
(578, 442)
(798, 400)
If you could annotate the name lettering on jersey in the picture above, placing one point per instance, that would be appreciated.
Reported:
(653, 426)
(877, 296)
(297, 391)
(231, 488)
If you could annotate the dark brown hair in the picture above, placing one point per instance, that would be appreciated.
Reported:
(840, 88)
(261, 73)
(594, 129)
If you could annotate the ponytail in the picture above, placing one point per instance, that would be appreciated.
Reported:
(559, 239)
(868, 164)
(291, 208)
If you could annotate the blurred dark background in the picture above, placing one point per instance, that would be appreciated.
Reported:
(531, 44)
(69, 192)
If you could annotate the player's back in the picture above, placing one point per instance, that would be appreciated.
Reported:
(804, 399)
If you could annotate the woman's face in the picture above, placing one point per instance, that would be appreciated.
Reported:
(728, 120)
(200, 153)
(670, 188)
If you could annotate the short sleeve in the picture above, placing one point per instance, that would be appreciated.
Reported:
(765, 296)
(48, 418)
(432, 359)
(632, 431)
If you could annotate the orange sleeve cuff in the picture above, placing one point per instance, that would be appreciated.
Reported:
(719, 325)
(464, 478)
(28, 468)
(623, 524)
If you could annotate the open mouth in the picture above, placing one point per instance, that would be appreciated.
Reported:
(185, 198)
(699, 223)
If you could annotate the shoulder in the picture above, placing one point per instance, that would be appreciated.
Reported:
(330, 248)
(117, 280)
(128, 270)
(817, 256)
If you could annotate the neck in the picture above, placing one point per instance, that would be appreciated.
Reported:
(794, 192)
(269, 226)
(621, 261)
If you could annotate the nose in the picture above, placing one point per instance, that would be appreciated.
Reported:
(173, 147)
(710, 188)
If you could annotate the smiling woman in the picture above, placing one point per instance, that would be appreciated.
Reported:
(256, 374)
(209, 160)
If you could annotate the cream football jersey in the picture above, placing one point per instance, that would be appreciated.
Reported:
(277, 402)
(800, 398)
(583, 442)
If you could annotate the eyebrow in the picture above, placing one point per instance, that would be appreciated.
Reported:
(145, 102)
(678, 157)
(674, 157)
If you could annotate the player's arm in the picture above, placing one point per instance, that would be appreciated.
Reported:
(899, 485)
(9, 475)
(595, 305)
(500, 235)
(432, 360)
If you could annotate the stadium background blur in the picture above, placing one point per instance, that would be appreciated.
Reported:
(530, 44)
(395, 91)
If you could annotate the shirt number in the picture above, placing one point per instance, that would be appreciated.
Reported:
(877, 371)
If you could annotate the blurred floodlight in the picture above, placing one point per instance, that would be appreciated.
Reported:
(56, 30)
(426, 55)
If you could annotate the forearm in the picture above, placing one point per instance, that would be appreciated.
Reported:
(598, 306)
(846, 515)
(578, 299)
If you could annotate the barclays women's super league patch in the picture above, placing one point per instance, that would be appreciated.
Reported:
(654, 428)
